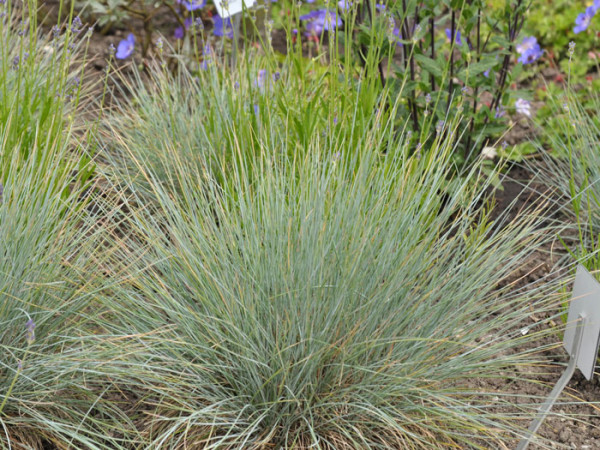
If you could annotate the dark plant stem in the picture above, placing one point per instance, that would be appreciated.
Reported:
(363, 48)
(147, 35)
(452, 42)
(409, 63)
(512, 34)
(432, 35)
(380, 63)
(476, 92)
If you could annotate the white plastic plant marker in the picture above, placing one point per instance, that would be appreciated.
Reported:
(586, 300)
(581, 342)
(227, 8)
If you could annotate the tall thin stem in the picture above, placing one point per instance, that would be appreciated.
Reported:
(452, 42)
(432, 37)
(476, 92)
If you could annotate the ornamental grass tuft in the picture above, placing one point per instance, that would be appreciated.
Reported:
(335, 290)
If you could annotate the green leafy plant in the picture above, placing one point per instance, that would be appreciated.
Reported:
(553, 22)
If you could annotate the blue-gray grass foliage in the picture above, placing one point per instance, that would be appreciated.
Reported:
(339, 291)
(572, 164)
(50, 394)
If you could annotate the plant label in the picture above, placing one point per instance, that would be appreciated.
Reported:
(584, 304)
(227, 8)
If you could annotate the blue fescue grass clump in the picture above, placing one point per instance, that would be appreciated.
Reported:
(50, 393)
(334, 288)
(572, 164)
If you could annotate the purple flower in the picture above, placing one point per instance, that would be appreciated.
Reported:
(207, 57)
(179, 31)
(457, 36)
(222, 26)
(499, 112)
(193, 5)
(596, 6)
(260, 79)
(523, 107)
(320, 20)
(125, 47)
(529, 50)
(30, 331)
(397, 37)
(76, 25)
(345, 5)
(440, 126)
(486, 73)
(583, 20)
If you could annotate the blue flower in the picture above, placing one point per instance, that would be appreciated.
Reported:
(583, 20)
(345, 5)
(500, 112)
(193, 5)
(125, 47)
(596, 6)
(397, 37)
(179, 31)
(457, 37)
(222, 26)
(320, 20)
(529, 50)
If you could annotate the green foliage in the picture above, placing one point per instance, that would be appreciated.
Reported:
(39, 86)
(273, 258)
(106, 13)
(182, 116)
(457, 77)
(552, 21)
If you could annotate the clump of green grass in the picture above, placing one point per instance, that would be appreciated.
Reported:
(338, 289)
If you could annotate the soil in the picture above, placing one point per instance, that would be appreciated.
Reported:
(581, 399)
(579, 404)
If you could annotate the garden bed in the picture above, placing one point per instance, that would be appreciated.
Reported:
(241, 235)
